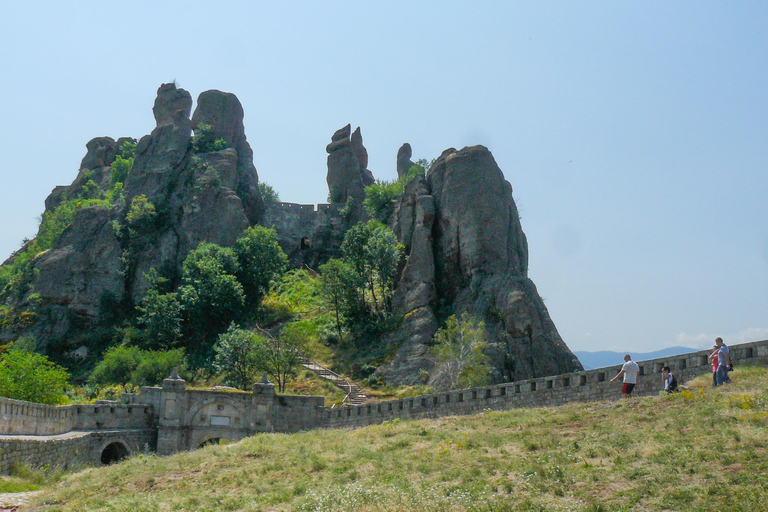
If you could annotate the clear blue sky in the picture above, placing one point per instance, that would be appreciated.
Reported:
(635, 135)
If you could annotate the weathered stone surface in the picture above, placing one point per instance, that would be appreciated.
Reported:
(101, 153)
(477, 229)
(161, 155)
(197, 198)
(415, 296)
(356, 139)
(172, 105)
(404, 162)
(223, 111)
(346, 177)
(467, 253)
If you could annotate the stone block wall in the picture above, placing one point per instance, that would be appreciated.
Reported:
(591, 385)
(69, 450)
(294, 413)
(27, 418)
(308, 236)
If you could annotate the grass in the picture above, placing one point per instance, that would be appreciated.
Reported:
(704, 449)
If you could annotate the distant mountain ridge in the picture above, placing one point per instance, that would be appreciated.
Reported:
(603, 358)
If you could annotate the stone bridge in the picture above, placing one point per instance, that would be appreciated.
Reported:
(172, 418)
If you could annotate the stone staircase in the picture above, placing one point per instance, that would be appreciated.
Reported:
(355, 395)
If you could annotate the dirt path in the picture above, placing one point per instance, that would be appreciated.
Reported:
(14, 501)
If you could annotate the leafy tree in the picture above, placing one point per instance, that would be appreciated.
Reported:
(338, 286)
(279, 357)
(459, 351)
(260, 261)
(373, 253)
(211, 295)
(382, 197)
(156, 365)
(236, 356)
(119, 169)
(141, 214)
(269, 194)
(160, 314)
(32, 377)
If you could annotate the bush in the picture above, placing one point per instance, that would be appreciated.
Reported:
(131, 365)
(116, 366)
(32, 377)
(203, 141)
(381, 197)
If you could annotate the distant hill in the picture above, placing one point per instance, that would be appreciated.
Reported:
(602, 358)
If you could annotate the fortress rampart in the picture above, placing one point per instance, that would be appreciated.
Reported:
(171, 418)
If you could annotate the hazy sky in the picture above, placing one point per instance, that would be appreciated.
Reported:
(635, 135)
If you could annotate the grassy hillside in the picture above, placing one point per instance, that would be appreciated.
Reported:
(700, 450)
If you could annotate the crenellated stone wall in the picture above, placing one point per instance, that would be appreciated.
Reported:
(171, 418)
(584, 386)
(309, 236)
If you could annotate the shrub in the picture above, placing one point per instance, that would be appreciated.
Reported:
(203, 141)
(268, 193)
(131, 365)
(236, 357)
(32, 377)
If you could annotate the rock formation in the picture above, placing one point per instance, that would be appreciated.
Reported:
(347, 173)
(404, 162)
(209, 197)
(467, 253)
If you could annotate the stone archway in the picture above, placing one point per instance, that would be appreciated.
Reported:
(114, 452)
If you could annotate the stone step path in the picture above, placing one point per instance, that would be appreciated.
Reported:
(355, 395)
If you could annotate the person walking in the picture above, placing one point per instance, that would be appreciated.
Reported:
(723, 362)
(713, 360)
(629, 371)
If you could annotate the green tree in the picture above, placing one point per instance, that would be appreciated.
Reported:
(236, 356)
(279, 357)
(123, 365)
(142, 213)
(268, 193)
(382, 197)
(373, 253)
(459, 348)
(155, 365)
(260, 261)
(210, 295)
(160, 314)
(339, 289)
(32, 377)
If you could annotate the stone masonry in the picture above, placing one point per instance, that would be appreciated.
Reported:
(171, 418)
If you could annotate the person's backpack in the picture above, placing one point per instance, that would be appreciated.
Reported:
(673, 383)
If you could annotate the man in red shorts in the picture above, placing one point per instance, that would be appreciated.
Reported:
(629, 371)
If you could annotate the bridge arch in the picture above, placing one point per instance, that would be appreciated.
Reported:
(113, 450)
(214, 419)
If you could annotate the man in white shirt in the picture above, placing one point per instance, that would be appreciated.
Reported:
(629, 371)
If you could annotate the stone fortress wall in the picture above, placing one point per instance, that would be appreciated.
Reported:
(306, 234)
(171, 418)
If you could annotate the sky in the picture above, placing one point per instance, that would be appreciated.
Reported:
(634, 134)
